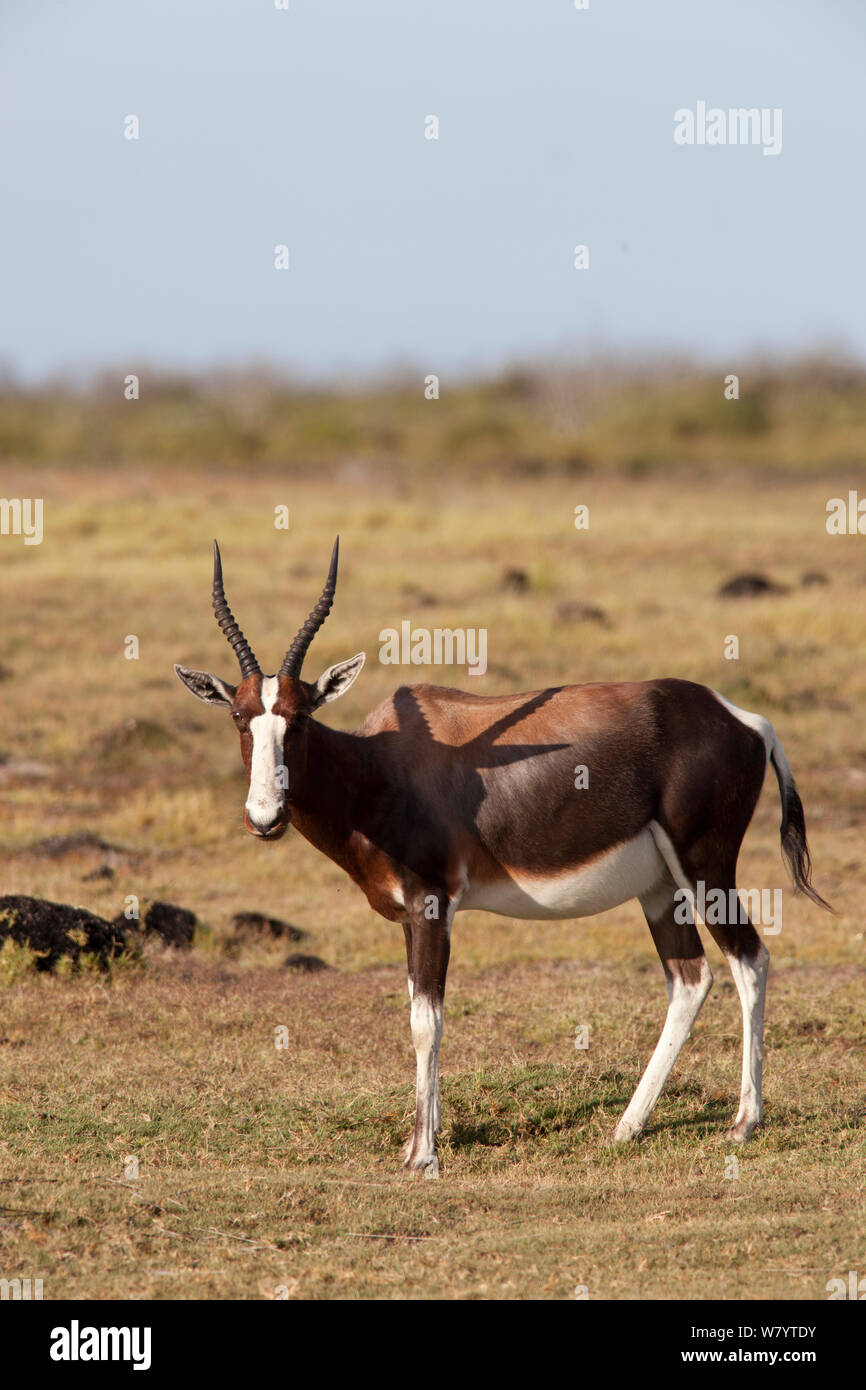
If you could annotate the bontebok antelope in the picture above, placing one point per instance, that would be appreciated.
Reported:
(444, 801)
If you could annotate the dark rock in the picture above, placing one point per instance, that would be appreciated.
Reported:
(574, 612)
(516, 580)
(576, 464)
(750, 586)
(256, 924)
(175, 925)
(47, 928)
(419, 596)
(104, 871)
(57, 845)
(311, 964)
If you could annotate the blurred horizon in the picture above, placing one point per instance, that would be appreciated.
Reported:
(105, 379)
(798, 417)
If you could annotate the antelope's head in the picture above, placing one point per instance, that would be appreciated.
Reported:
(271, 713)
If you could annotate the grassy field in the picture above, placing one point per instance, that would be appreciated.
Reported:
(262, 1169)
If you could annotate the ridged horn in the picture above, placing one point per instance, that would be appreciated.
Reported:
(223, 614)
(294, 658)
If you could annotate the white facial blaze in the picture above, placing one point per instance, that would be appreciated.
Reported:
(267, 781)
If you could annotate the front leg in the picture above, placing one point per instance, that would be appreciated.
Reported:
(428, 946)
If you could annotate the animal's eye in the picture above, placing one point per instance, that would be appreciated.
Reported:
(240, 719)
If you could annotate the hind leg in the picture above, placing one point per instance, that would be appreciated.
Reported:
(748, 959)
(745, 952)
(689, 979)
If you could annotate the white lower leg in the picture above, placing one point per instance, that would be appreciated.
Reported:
(437, 1100)
(684, 1003)
(750, 977)
(426, 1018)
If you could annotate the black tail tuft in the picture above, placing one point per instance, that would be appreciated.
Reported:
(794, 844)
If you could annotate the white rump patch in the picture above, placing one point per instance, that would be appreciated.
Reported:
(757, 722)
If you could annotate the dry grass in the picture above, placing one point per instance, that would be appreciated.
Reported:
(261, 1168)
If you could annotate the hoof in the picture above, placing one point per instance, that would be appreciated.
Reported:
(742, 1131)
(420, 1160)
(624, 1133)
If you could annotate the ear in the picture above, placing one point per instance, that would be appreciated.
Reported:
(336, 680)
(207, 687)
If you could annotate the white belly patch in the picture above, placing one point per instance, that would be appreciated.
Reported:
(627, 871)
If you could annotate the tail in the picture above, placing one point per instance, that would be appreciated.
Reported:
(793, 828)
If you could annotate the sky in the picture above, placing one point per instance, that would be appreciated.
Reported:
(305, 127)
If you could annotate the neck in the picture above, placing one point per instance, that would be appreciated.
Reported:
(325, 796)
